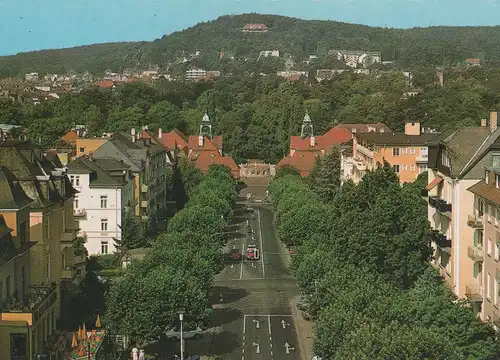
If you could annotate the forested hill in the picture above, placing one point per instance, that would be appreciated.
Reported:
(409, 47)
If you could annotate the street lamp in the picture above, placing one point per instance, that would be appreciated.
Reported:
(181, 318)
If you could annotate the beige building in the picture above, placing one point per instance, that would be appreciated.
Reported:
(457, 214)
(37, 239)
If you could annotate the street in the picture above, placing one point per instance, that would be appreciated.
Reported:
(254, 321)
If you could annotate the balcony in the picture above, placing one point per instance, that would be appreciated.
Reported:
(69, 235)
(441, 240)
(364, 150)
(432, 201)
(144, 203)
(422, 159)
(475, 222)
(79, 213)
(442, 206)
(68, 273)
(474, 292)
(475, 253)
(40, 299)
(144, 188)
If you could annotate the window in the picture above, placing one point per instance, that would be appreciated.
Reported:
(104, 201)
(395, 151)
(104, 224)
(75, 203)
(422, 168)
(478, 238)
(489, 247)
(497, 181)
(18, 346)
(423, 152)
(495, 292)
(490, 208)
(77, 180)
(404, 168)
(82, 150)
(445, 159)
(412, 151)
(496, 160)
(104, 247)
(72, 179)
(7, 286)
(487, 177)
(488, 287)
(395, 168)
(480, 207)
(497, 217)
(412, 167)
(497, 250)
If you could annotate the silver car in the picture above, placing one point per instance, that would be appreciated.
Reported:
(186, 334)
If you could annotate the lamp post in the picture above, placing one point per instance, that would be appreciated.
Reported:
(181, 318)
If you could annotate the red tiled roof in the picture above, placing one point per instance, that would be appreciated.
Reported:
(335, 136)
(303, 161)
(207, 143)
(203, 159)
(70, 137)
(364, 127)
(293, 77)
(174, 139)
(106, 84)
(473, 61)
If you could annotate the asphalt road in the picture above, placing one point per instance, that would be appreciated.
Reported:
(254, 321)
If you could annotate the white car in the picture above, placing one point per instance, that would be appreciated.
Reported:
(186, 334)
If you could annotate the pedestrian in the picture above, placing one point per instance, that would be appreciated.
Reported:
(221, 299)
(142, 355)
(135, 355)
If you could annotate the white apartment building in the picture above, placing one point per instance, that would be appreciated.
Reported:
(105, 194)
(195, 74)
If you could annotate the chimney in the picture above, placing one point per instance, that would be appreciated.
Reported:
(313, 141)
(200, 141)
(132, 134)
(160, 133)
(412, 128)
(483, 122)
(493, 121)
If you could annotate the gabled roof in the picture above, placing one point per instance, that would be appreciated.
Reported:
(208, 145)
(70, 137)
(304, 161)
(106, 84)
(13, 196)
(335, 136)
(463, 145)
(203, 159)
(175, 139)
(355, 128)
(396, 138)
(99, 177)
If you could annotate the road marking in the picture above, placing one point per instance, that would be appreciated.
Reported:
(267, 315)
(284, 324)
(288, 348)
(261, 246)
(244, 323)
(257, 323)
(271, 344)
(257, 347)
(269, 323)
(242, 258)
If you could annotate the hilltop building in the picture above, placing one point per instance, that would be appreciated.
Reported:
(356, 58)
(255, 28)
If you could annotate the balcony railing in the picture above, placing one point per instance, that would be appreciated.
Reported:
(144, 188)
(364, 150)
(475, 253)
(475, 222)
(432, 201)
(422, 159)
(144, 203)
(441, 240)
(79, 213)
(39, 300)
(474, 292)
(442, 206)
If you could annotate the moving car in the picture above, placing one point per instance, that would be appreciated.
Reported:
(175, 334)
(253, 253)
(249, 208)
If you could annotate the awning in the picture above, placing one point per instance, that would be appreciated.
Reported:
(434, 183)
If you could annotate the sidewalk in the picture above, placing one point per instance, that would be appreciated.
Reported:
(304, 329)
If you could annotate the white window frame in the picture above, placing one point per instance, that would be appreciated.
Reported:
(488, 286)
(396, 151)
(77, 180)
(412, 151)
(104, 247)
(497, 251)
(497, 181)
(495, 292)
(104, 224)
(104, 201)
(394, 168)
(489, 207)
(412, 167)
(489, 248)
(486, 177)
(404, 167)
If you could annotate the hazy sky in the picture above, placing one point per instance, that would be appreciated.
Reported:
(40, 24)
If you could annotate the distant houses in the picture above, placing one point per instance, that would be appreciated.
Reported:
(255, 28)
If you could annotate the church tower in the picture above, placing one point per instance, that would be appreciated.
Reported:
(205, 129)
(307, 129)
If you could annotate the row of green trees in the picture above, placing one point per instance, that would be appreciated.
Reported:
(178, 271)
(257, 115)
(362, 261)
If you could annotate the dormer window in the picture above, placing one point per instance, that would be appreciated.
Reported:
(445, 159)
(487, 177)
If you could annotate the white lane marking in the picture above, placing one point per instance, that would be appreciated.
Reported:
(269, 323)
(271, 344)
(257, 323)
(261, 246)
(266, 315)
(244, 323)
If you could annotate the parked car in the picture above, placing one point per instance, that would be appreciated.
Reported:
(175, 334)
(235, 254)
(249, 209)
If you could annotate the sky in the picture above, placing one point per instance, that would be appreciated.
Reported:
(27, 25)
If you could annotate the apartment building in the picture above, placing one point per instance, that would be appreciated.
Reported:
(37, 213)
(105, 194)
(460, 214)
(406, 152)
(148, 164)
(195, 74)
(86, 146)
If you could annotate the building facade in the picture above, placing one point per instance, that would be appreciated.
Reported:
(105, 196)
(406, 152)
